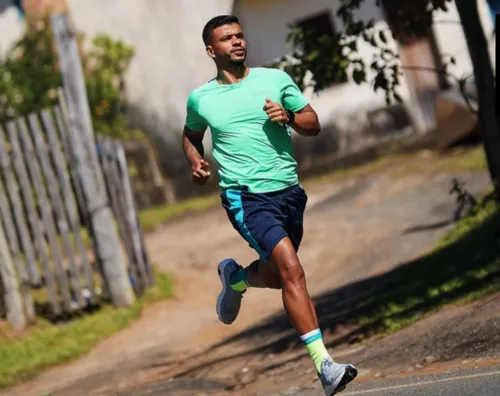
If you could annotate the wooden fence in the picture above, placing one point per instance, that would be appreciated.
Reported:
(44, 215)
(68, 217)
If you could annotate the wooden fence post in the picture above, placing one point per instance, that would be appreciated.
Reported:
(82, 141)
(110, 171)
(61, 115)
(133, 222)
(10, 286)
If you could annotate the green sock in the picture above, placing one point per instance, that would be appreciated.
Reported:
(239, 281)
(316, 348)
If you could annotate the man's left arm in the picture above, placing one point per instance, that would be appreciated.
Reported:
(299, 113)
(305, 121)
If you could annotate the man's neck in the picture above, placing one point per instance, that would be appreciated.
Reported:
(232, 74)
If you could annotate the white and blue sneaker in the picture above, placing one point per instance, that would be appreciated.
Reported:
(334, 377)
(229, 300)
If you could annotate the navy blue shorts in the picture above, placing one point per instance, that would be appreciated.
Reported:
(264, 219)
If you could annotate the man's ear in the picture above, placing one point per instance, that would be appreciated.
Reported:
(210, 51)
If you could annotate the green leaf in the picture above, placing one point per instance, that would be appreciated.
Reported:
(353, 46)
(359, 76)
(383, 37)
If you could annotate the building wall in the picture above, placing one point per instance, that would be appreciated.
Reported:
(11, 26)
(451, 39)
(170, 59)
(265, 24)
(353, 116)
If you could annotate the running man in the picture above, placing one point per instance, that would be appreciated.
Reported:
(250, 112)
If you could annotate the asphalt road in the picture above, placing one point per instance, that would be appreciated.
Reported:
(476, 382)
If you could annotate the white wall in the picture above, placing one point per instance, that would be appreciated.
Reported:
(11, 27)
(451, 39)
(346, 111)
(170, 59)
(265, 25)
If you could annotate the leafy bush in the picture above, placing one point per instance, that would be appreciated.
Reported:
(29, 78)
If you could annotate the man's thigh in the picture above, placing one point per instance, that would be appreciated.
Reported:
(258, 218)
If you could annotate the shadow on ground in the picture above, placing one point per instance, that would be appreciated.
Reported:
(469, 267)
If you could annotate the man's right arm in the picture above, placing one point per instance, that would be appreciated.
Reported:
(192, 143)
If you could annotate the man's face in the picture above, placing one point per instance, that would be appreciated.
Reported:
(228, 45)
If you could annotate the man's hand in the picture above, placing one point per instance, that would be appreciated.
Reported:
(201, 171)
(275, 112)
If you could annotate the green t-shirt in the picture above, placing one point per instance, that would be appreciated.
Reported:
(251, 151)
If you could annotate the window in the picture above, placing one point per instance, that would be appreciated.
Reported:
(319, 24)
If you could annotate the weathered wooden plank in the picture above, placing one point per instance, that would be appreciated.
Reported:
(46, 213)
(62, 120)
(33, 218)
(10, 229)
(62, 124)
(107, 156)
(69, 200)
(10, 286)
(11, 232)
(89, 172)
(57, 205)
(131, 215)
(30, 274)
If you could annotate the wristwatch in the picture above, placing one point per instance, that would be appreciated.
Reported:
(291, 117)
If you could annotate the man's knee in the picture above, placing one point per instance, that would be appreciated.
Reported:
(287, 264)
(292, 272)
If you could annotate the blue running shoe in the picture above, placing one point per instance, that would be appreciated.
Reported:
(229, 300)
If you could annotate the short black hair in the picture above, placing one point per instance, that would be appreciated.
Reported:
(216, 22)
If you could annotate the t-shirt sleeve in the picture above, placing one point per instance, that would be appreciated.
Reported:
(292, 97)
(194, 121)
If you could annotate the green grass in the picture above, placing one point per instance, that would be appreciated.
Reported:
(46, 345)
(463, 266)
(154, 217)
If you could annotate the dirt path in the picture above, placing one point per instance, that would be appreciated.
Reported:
(354, 230)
